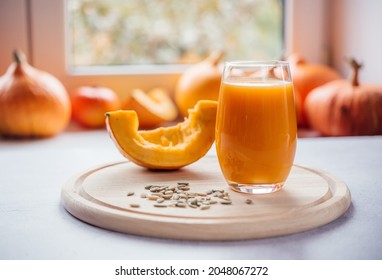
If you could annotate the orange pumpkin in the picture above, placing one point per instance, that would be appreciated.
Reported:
(90, 103)
(298, 106)
(307, 76)
(199, 82)
(33, 103)
(345, 108)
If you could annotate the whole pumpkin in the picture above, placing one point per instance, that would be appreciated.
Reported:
(90, 103)
(307, 76)
(33, 103)
(346, 108)
(199, 82)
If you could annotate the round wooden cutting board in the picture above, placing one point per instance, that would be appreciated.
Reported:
(310, 198)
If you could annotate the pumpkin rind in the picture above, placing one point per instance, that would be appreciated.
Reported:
(306, 77)
(165, 147)
(341, 109)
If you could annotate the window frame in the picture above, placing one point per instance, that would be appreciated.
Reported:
(42, 32)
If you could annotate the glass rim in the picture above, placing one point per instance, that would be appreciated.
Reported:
(256, 63)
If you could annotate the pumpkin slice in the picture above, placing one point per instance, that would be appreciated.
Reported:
(153, 108)
(166, 147)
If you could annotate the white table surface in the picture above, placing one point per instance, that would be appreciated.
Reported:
(34, 224)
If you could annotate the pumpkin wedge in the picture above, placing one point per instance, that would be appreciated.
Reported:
(153, 108)
(164, 148)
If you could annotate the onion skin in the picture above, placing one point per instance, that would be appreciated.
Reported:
(33, 103)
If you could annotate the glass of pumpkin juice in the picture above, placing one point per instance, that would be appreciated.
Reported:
(256, 129)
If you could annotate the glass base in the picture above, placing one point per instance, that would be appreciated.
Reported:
(256, 188)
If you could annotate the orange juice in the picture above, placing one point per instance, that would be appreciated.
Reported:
(256, 132)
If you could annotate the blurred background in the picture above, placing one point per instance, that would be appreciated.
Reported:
(60, 35)
(124, 45)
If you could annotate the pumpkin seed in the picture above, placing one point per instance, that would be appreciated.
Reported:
(193, 201)
(134, 205)
(204, 207)
(160, 200)
(201, 194)
(226, 202)
(160, 205)
(130, 193)
(249, 201)
(181, 204)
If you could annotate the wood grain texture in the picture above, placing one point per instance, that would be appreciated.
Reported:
(310, 198)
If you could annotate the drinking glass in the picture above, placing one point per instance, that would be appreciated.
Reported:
(256, 129)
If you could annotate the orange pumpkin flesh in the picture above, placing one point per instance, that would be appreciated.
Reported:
(153, 108)
(346, 108)
(164, 148)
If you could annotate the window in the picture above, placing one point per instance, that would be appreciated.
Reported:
(136, 32)
(43, 32)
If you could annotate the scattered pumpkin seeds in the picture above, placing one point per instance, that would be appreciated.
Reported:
(180, 195)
